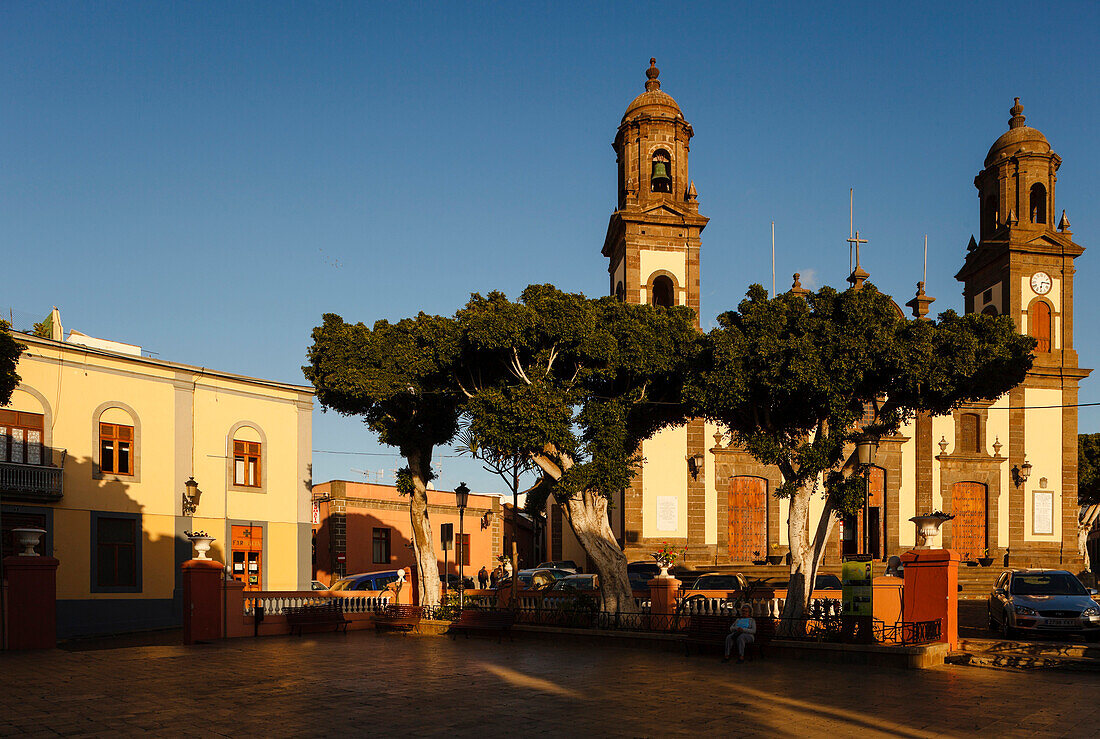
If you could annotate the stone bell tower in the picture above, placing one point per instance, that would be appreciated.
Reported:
(652, 247)
(1022, 266)
(652, 241)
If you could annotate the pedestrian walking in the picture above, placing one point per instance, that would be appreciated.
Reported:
(483, 577)
(494, 578)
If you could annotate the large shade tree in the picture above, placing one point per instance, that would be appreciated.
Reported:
(399, 378)
(798, 380)
(10, 349)
(577, 384)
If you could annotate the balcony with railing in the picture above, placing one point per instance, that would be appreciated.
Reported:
(36, 478)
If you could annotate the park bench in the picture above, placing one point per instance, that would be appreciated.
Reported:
(713, 630)
(320, 615)
(399, 618)
(498, 622)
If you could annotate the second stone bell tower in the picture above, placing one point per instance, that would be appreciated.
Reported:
(652, 241)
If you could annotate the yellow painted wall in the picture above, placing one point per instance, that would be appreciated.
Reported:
(997, 430)
(907, 494)
(665, 475)
(710, 520)
(1043, 445)
(672, 261)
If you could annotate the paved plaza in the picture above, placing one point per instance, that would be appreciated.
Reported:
(363, 684)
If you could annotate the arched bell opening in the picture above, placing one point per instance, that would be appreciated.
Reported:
(660, 179)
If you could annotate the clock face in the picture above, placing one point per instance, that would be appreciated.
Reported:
(1040, 283)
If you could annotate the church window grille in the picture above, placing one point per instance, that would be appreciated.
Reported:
(970, 439)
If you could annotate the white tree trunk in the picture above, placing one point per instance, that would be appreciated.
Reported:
(424, 550)
(587, 515)
(806, 554)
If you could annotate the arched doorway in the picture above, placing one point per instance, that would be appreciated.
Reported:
(968, 529)
(748, 518)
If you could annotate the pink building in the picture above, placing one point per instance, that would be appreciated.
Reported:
(365, 527)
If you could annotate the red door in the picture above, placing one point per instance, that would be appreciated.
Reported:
(748, 519)
(968, 527)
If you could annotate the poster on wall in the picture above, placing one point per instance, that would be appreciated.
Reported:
(1042, 513)
(668, 512)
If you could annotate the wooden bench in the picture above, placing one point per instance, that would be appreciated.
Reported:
(399, 618)
(713, 630)
(498, 622)
(320, 615)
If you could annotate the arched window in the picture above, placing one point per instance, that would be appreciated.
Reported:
(247, 457)
(116, 433)
(990, 310)
(989, 216)
(663, 291)
(660, 179)
(1038, 204)
(1039, 324)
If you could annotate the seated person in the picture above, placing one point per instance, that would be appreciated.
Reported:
(743, 631)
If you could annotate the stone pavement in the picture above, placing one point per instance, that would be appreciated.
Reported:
(363, 684)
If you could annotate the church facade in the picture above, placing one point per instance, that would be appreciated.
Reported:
(1006, 470)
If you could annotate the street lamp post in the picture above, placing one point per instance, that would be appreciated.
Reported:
(462, 497)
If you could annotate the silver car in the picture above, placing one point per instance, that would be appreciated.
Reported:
(1043, 602)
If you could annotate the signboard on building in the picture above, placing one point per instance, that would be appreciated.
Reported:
(316, 517)
(1042, 512)
(447, 537)
(668, 512)
(857, 588)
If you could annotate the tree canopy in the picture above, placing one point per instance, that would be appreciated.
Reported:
(577, 384)
(10, 349)
(798, 379)
(1088, 469)
(399, 378)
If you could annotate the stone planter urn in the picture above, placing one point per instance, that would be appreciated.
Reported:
(775, 559)
(928, 529)
(663, 574)
(28, 539)
(202, 545)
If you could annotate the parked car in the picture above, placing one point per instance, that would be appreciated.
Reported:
(640, 573)
(720, 581)
(368, 580)
(576, 583)
(452, 581)
(562, 564)
(536, 579)
(1043, 602)
(317, 585)
(821, 582)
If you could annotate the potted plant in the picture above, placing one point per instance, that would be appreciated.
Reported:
(758, 560)
(775, 557)
(665, 556)
(201, 541)
(985, 560)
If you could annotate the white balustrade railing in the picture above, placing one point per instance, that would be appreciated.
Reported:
(275, 602)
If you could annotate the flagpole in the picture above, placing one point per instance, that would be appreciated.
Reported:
(925, 278)
(851, 225)
(773, 259)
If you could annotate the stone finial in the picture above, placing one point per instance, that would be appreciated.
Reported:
(691, 193)
(858, 277)
(1063, 224)
(796, 286)
(718, 436)
(652, 83)
(920, 303)
(997, 446)
(972, 245)
(1017, 111)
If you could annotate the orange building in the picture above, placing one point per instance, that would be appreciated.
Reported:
(364, 527)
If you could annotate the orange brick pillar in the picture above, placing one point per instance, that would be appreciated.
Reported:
(932, 590)
(662, 601)
(31, 602)
(202, 600)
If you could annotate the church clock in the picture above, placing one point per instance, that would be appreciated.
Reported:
(1040, 283)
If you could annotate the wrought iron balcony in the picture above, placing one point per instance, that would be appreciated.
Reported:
(39, 483)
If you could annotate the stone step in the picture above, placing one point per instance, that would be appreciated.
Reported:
(1030, 648)
(1012, 661)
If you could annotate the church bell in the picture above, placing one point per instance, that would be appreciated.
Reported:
(660, 180)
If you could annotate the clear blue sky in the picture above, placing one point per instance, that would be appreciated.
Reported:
(207, 179)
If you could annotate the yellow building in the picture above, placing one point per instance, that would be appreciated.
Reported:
(96, 447)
